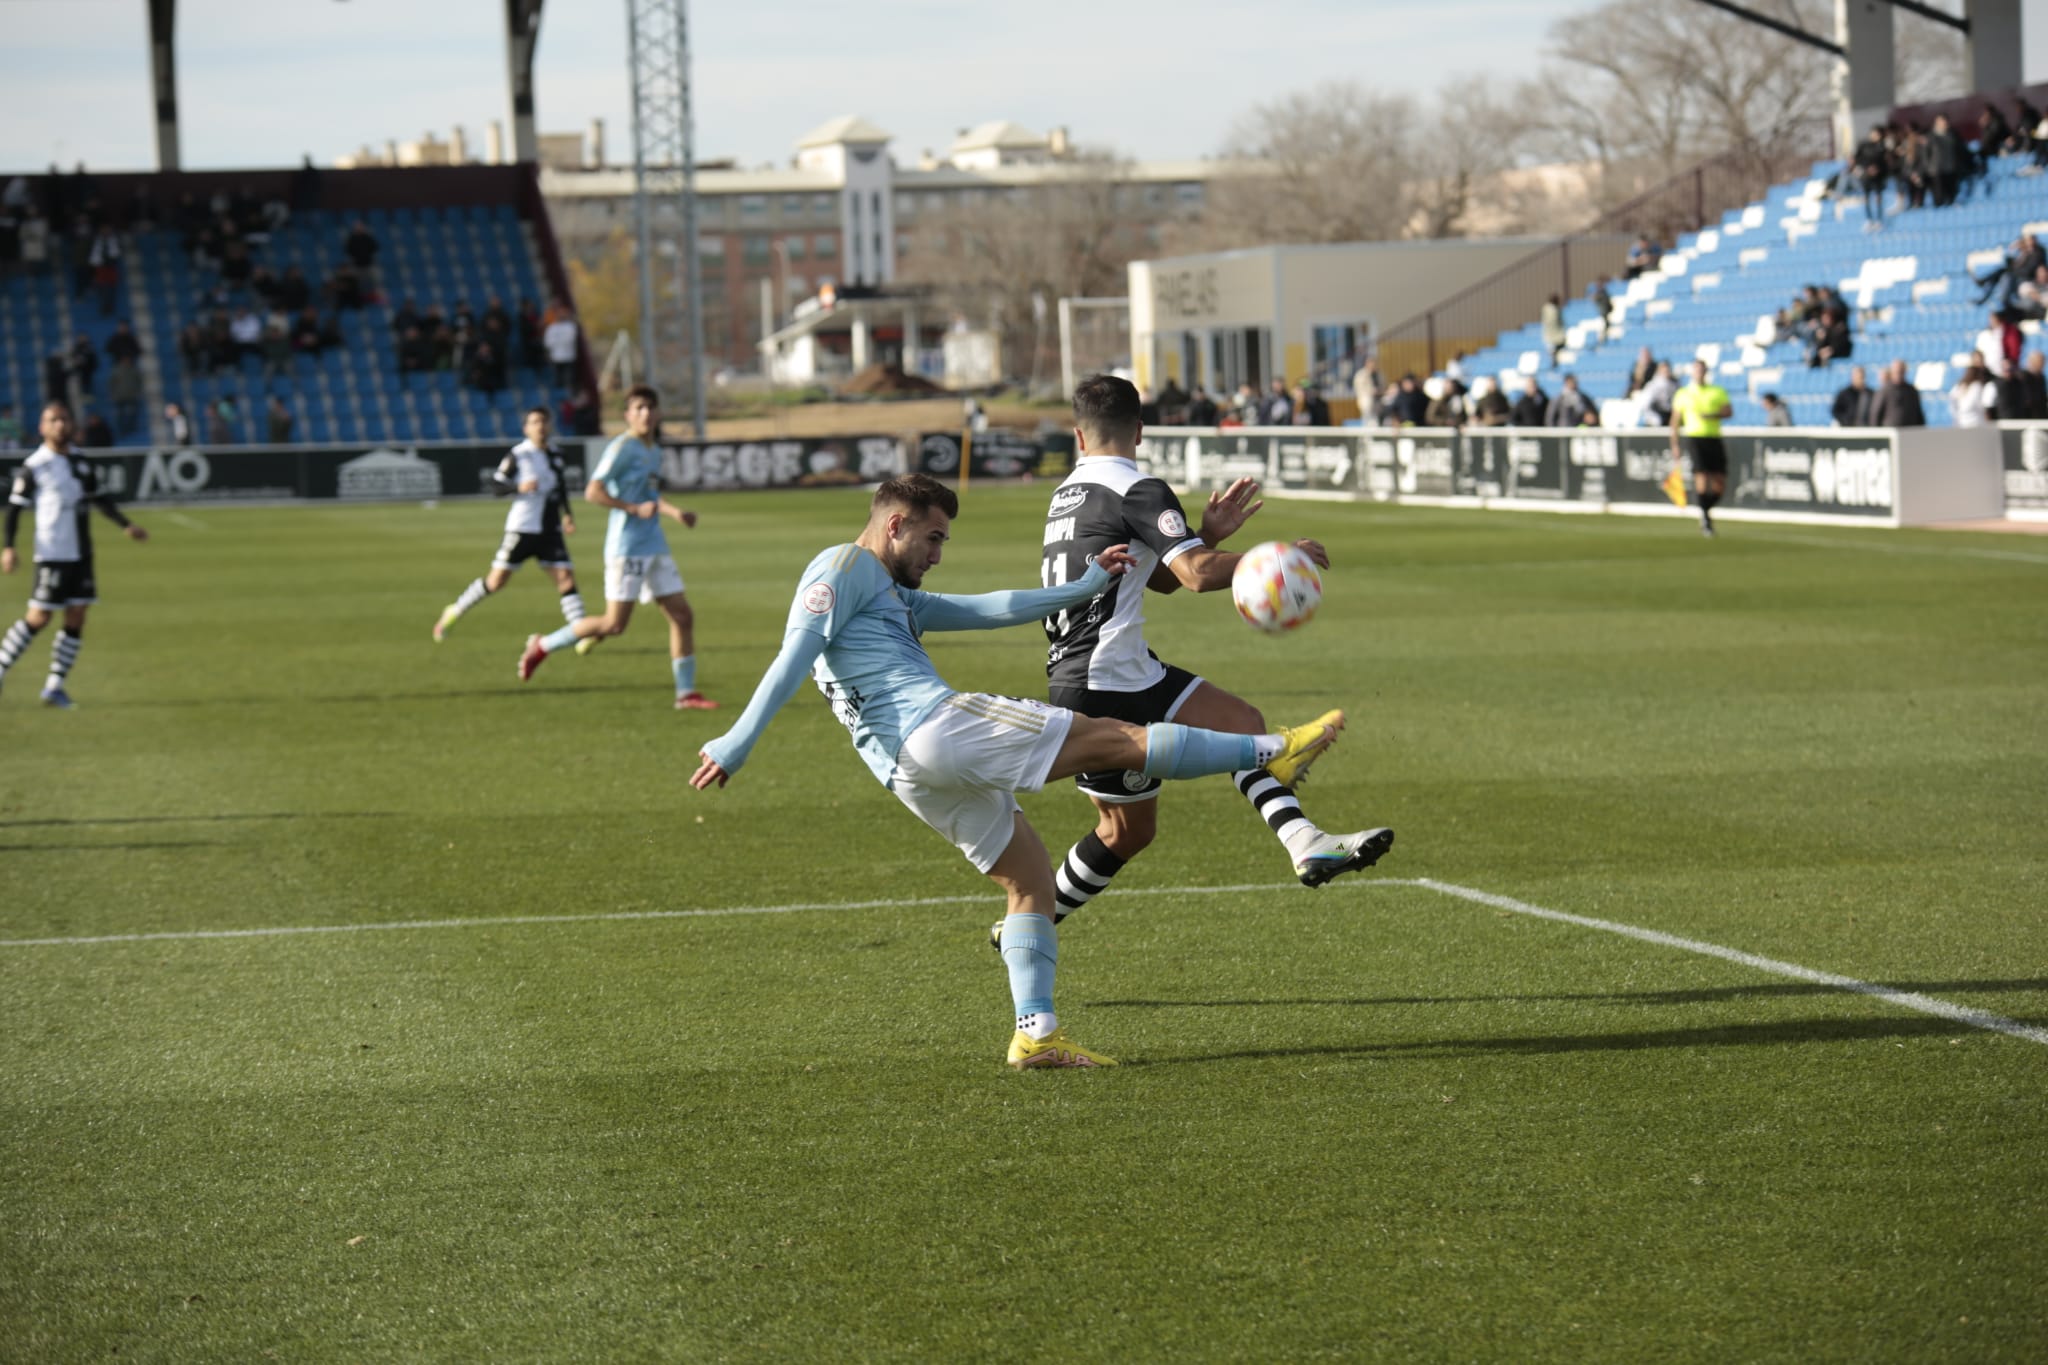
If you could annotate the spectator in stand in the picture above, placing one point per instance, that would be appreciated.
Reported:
(123, 345)
(2030, 300)
(1993, 132)
(415, 355)
(1446, 402)
(237, 267)
(2000, 343)
(1365, 387)
(1489, 405)
(124, 391)
(580, 415)
(1173, 401)
(1854, 401)
(1910, 167)
(277, 348)
(1409, 405)
(1552, 321)
(193, 352)
(406, 315)
(344, 288)
(1872, 167)
(361, 247)
(11, 432)
(85, 364)
(496, 327)
(103, 257)
(1603, 304)
(56, 378)
(311, 335)
(486, 370)
(1571, 408)
(1532, 408)
(245, 330)
(2024, 398)
(532, 354)
(294, 291)
(1278, 409)
(1201, 408)
(1944, 162)
(177, 426)
(1776, 414)
(1970, 401)
(94, 433)
(2022, 259)
(1643, 372)
(1656, 396)
(279, 422)
(1898, 403)
(1828, 340)
(35, 242)
(561, 338)
(220, 421)
(1148, 408)
(1642, 256)
(1309, 408)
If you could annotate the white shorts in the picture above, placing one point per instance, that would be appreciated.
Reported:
(958, 768)
(643, 578)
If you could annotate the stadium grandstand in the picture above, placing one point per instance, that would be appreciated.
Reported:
(1918, 288)
(372, 305)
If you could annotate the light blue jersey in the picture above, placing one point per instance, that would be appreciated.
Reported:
(631, 472)
(858, 632)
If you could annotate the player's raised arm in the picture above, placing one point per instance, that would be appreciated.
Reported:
(990, 610)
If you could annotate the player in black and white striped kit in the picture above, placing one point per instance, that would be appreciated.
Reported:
(1098, 662)
(535, 526)
(61, 488)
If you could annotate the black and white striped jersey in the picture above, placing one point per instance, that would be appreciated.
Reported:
(1105, 502)
(61, 490)
(543, 508)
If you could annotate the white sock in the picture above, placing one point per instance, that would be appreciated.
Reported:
(1039, 1024)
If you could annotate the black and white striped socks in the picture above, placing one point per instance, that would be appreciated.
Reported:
(1084, 874)
(62, 656)
(13, 643)
(476, 592)
(1276, 805)
(572, 606)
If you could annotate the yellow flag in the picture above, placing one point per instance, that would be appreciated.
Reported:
(1674, 485)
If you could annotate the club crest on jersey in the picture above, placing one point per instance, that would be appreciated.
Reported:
(1067, 499)
(818, 599)
(1172, 523)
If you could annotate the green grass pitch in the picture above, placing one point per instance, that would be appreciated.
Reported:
(1373, 1121)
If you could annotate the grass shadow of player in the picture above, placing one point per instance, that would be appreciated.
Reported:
(136, 847)
(1689, 996)
(511, 691)
(195, 819)
(1777, 1034)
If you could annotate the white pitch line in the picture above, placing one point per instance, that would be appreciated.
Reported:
(285, 931)
(1910, 1000)
(1925, 1004)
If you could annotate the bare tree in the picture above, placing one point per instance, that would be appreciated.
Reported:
(1004, 261)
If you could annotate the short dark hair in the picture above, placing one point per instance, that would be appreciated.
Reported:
(645, 391)
(537, 409)
(1106, 407)
(920, 493)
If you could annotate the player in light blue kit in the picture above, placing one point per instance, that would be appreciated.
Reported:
(957, 758)
(637, 566)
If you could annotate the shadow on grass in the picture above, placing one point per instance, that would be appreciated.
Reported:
(1708, 1035)
(196, 820)
(1761, 990)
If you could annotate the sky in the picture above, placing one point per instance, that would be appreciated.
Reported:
(265, 82)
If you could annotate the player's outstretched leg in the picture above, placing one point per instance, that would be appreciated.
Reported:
(62, 655)
(476, 592)
(14, 643)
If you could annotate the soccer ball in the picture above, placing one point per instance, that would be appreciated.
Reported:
(1277, 587)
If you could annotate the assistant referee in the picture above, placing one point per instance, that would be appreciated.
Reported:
(1697, 411)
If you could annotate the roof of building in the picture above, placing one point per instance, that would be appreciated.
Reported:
(998, 133)
(849, 128)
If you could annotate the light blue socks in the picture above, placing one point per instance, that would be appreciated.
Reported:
(561, 639)
(1182, 751)
(1031, 950)
(686, 673)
